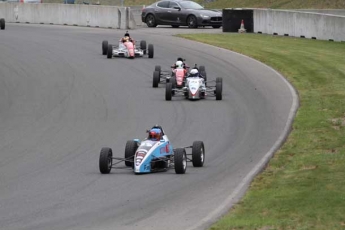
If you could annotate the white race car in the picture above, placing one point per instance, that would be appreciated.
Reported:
(127, 49)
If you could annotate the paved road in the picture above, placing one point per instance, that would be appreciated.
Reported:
(61, 101)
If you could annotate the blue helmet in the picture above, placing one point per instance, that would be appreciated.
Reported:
(155, 134)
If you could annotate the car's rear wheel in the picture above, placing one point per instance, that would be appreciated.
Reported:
(2, 23)
(156, 79)
(216, 27)
(104, 47)
(168, 91)
(218, 91)
(192, 22)
(219, 79)
(131, 148)
(158, 68)
(198, 153)
(203, 73)
(143, 46)
(110, 52)
(180, 161)
(105, 160)
(151, 20)
(151, 51)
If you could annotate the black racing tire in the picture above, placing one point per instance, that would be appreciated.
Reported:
(105, 160)
(175, 26)
(151, 50)
(216, 27)
(110, 51)
(219, 79)
(104, 47)
(192, 21)
(150, 20)
(156, 79)
(143, 46)
(202, 68)
(158, 68)
(131, 148)
(168, 91)
(203, 73)
(218, 91)
(180, 161)
(2, 23)
(198, 153)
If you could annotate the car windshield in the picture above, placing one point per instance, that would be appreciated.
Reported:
(191, 5)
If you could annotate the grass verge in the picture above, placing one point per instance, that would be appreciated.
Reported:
(303, 187)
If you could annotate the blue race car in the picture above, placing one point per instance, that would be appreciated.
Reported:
(154, 154)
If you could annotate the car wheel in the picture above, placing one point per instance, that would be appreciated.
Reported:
(175, 26)
(131, 148)
(218, 91)
(192, 22)
(150, 48)
(105, 160)
(156, 79)
(203, 73)
(110, 52)
(219, 79)
(158, 68)
(168, 91)
(104, 47)
(180, 161)
(198, 153)
(2, 23)
(143, 46)
(216, 27)
(151, 20)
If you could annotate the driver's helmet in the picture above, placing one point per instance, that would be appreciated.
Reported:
(194, 73)
(127, 34)
(155, 134)
(180, 59)
(179, 64)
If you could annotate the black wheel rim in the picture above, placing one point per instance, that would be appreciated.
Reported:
(150, 20)
(191, 22)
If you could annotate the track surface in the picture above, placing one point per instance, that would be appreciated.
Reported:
(61, 101)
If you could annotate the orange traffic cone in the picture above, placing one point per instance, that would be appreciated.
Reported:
(242, 29)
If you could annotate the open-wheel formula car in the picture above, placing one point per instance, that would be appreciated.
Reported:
(2, 23)
(127, 49)
(177, 75)
(154, 154)
(196, 87)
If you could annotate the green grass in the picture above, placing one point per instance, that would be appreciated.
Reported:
(303, 187)
(219, 4)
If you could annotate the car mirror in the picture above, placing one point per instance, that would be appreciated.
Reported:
(177, 8)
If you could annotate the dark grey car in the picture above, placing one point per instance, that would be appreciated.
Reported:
(180, 13)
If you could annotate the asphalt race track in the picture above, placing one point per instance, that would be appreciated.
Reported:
(61, 101)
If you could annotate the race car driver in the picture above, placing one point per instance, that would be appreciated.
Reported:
(127, 38)
(155, 134)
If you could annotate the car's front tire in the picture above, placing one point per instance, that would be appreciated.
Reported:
(156, 79)
(110, 52)
(192, 22)
(168, 91)
(150, 20)
(105, 160)
(151, 50)
(198, 153)
(180, 161)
